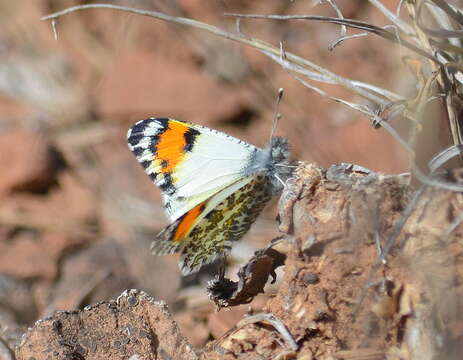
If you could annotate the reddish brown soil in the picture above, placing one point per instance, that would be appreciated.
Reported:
(335, 301)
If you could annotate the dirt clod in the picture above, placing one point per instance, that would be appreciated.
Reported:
(132, 325)
(252, 279)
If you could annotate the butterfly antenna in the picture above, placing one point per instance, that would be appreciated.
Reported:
(276, 115)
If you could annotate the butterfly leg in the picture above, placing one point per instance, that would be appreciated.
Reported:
(222, 267)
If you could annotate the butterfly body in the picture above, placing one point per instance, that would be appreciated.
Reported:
(214, 185)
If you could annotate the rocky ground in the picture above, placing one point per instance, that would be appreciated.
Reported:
(337, 299)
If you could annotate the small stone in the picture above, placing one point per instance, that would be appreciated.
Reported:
(310, 278)
(132, 301)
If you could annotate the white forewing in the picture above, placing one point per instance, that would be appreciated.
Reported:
(216, 162)
(212, 162)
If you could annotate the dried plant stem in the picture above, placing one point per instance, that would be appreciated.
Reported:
(266, 48)
(402, 25)
(356, 24)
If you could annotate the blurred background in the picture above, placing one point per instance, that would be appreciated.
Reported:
(77, 213)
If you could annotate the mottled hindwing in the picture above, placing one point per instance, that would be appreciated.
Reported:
(228, 221)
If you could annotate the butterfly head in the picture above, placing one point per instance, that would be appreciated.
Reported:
(278, 166)
(279, 150)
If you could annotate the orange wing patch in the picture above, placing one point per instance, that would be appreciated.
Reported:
(187, 221)
(170, 148)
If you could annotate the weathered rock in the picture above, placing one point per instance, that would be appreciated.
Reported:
(132, 327)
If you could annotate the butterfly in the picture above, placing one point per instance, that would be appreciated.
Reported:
(213, 185)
